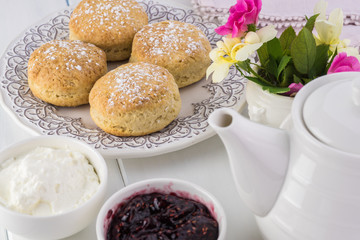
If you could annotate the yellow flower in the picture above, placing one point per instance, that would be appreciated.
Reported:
(328, 30)
(232, 50)
(221, 57)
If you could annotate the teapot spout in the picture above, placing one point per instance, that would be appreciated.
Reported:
(259, 157)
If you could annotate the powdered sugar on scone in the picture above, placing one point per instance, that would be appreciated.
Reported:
(137, 85)
(65, 55)
(178, 37)
(180, 47)
(109, 14)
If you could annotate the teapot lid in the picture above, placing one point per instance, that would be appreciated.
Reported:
(332, 114)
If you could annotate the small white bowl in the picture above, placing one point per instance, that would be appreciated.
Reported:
(162, 185)
(64, 224)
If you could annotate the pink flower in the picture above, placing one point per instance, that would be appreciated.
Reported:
(294, 88)
(243, 13)
(344, 63)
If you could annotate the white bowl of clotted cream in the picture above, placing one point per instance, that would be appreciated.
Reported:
(52, 187)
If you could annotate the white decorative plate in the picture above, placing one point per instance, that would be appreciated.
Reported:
(198, 100)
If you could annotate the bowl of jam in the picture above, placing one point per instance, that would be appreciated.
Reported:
(161, 208)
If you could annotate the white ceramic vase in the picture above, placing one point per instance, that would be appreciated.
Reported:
(267, 108)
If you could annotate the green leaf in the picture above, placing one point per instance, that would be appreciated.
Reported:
(331, 60)
(244, 65)
(258, 81)
(283, 63)
(276, 89)
(271, 66)
(321, 60)
(303, 51)
(266, 77)
(306, 80)
(263, 54)
(310, 23)
(287, 76)
(286, 39)
(297, 79)
(274, 49)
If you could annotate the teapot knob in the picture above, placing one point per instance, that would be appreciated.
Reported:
(356, 92)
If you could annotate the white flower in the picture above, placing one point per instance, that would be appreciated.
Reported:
(252, 42)
(343, 46)
(232, 50)
(328, 30)
(221, 58)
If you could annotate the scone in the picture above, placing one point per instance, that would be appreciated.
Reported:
(63, 72)
(180, 47)
(109, 24)
(135, 99)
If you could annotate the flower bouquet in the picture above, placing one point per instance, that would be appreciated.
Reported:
(281, 64)
(278, 65)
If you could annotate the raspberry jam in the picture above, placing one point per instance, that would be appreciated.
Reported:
(160, 217)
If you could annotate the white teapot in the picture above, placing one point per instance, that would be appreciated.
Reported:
(302, 183)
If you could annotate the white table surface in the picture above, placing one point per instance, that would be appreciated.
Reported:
(205, 163)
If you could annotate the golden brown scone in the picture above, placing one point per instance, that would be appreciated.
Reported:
(135, 99)
(180, 47)
(63, 72)
(109, 24)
